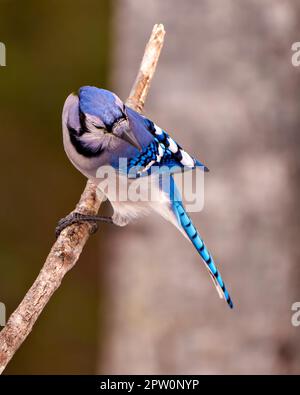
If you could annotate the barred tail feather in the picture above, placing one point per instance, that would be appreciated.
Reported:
(193, 235)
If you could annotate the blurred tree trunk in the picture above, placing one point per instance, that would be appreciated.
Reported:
(48, 56)
(226, 89)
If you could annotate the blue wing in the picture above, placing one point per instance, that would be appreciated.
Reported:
(179, 156)
(158, 149)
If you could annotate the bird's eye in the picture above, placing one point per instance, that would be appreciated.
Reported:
(102, 128)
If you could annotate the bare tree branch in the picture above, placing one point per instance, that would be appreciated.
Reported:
(140, 88)
(67, 248)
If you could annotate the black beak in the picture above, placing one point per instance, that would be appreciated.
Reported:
(131, 139)
(122, 131)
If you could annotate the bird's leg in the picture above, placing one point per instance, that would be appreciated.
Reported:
(77, 217)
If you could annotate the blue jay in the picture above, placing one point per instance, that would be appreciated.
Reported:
(98, 130)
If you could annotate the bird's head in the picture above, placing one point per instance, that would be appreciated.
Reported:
(96, 120)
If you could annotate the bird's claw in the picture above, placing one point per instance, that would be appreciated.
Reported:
(80, 218)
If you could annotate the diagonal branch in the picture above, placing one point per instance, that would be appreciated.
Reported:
(67, 248)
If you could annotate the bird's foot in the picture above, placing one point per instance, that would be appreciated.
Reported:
(74, 218)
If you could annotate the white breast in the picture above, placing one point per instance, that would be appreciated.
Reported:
(134, 198)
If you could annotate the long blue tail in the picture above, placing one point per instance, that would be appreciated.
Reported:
(195, 238)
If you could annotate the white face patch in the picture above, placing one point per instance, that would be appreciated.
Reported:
(93, 123)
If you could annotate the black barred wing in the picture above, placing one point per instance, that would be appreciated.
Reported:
(154, 155)
(178, 154)
(163, 153)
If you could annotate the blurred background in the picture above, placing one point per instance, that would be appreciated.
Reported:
(139, 301)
